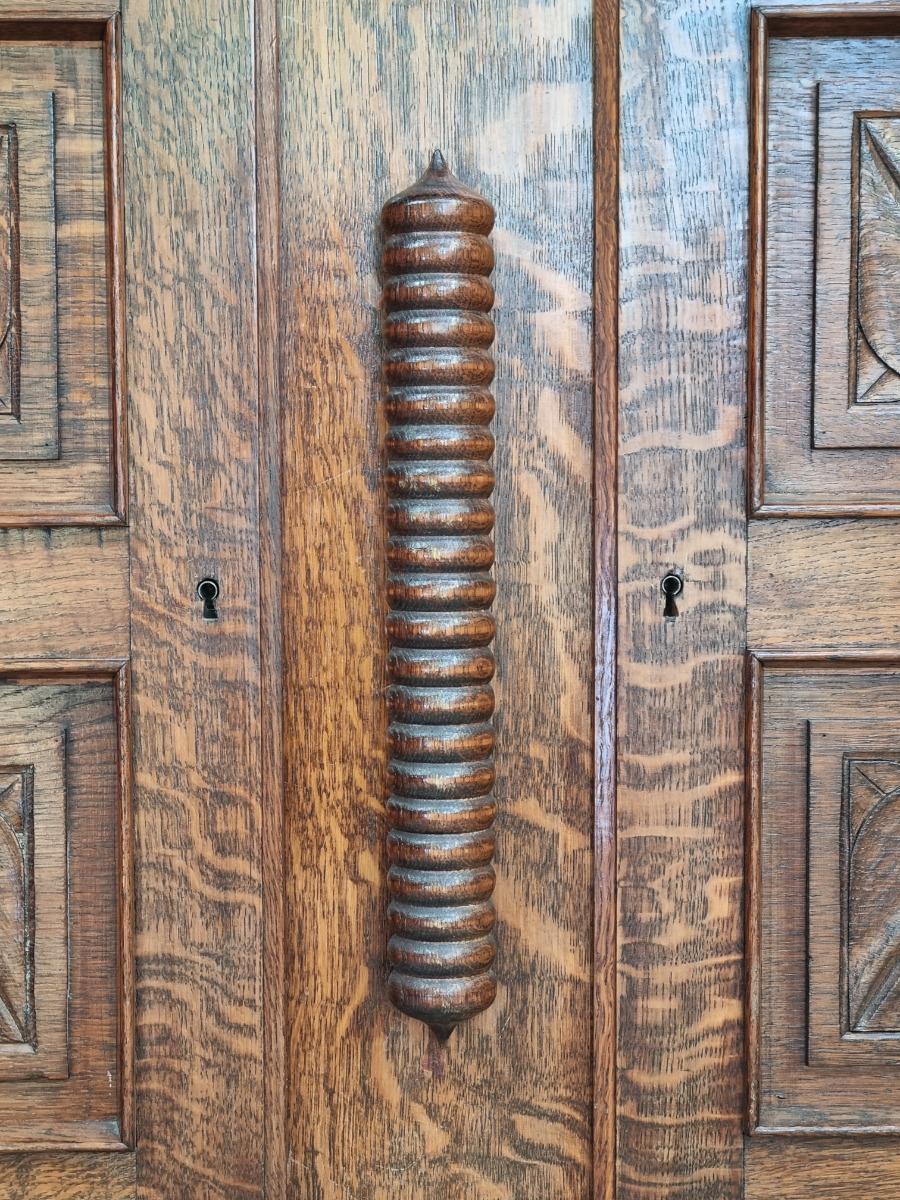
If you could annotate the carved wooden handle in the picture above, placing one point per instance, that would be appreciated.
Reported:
(437, 370)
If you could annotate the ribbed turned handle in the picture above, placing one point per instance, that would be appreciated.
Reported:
(437, 371)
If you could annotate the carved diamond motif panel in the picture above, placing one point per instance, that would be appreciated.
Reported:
(824, 380)
(62, 961)
(824, 931)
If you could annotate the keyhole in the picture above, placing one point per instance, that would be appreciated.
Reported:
(208, 592)
(672, 585)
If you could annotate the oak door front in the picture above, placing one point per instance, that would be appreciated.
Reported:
(451, 661)
(131, 1050)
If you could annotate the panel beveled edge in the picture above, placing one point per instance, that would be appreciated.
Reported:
(758, 661)
(116, 672)
(766, 21)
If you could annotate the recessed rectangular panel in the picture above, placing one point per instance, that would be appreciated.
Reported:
(61, 1081)
(825, 913)
(60, 259)
(29, 403)
(34, 980)
(854, 891)
(825, 367)
(17, 1024)
(856, 378)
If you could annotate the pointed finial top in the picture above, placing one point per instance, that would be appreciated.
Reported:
(438, 164)
(437, 200)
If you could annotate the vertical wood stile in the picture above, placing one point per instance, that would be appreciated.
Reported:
(437, 300)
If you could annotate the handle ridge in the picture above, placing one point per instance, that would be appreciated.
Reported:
(437, 300)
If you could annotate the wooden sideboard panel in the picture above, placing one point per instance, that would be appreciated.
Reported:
(825, 912)
(825, 204)
(62, 1083)
(61, 369)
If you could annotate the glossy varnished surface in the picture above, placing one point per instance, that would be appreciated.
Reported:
(684, 157)
(189, 134)
(375, 1107)
(437, 333)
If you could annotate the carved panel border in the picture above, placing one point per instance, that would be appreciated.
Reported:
(788, 473)
(807, 1070)
(55, 491)
(72, 720)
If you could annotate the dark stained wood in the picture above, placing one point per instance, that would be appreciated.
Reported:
(437, 330)
(684, 124)
(375, 1107)
(606, 584)
(193, 397)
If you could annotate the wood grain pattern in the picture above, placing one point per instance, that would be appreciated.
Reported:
(10, 278)
(832, 1168)
(269, 335)
(189, 128)
(681, 506)
(437, 330)
(810, 582)
(374, 1107)
(64, 594)
(73, 1177)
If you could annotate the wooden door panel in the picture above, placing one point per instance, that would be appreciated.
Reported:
(823, 1037)
(808, 300)
(374, 1105)
(61, 428)
(828, 584)
(63, 1039)
(130, 950)
(825, 434)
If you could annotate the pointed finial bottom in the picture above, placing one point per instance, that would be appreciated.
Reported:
(442, 1032)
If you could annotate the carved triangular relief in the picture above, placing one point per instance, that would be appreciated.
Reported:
(16, 908)
(872, 806)
(876, 379)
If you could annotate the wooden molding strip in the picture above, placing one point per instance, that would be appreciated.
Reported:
(437, 301)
